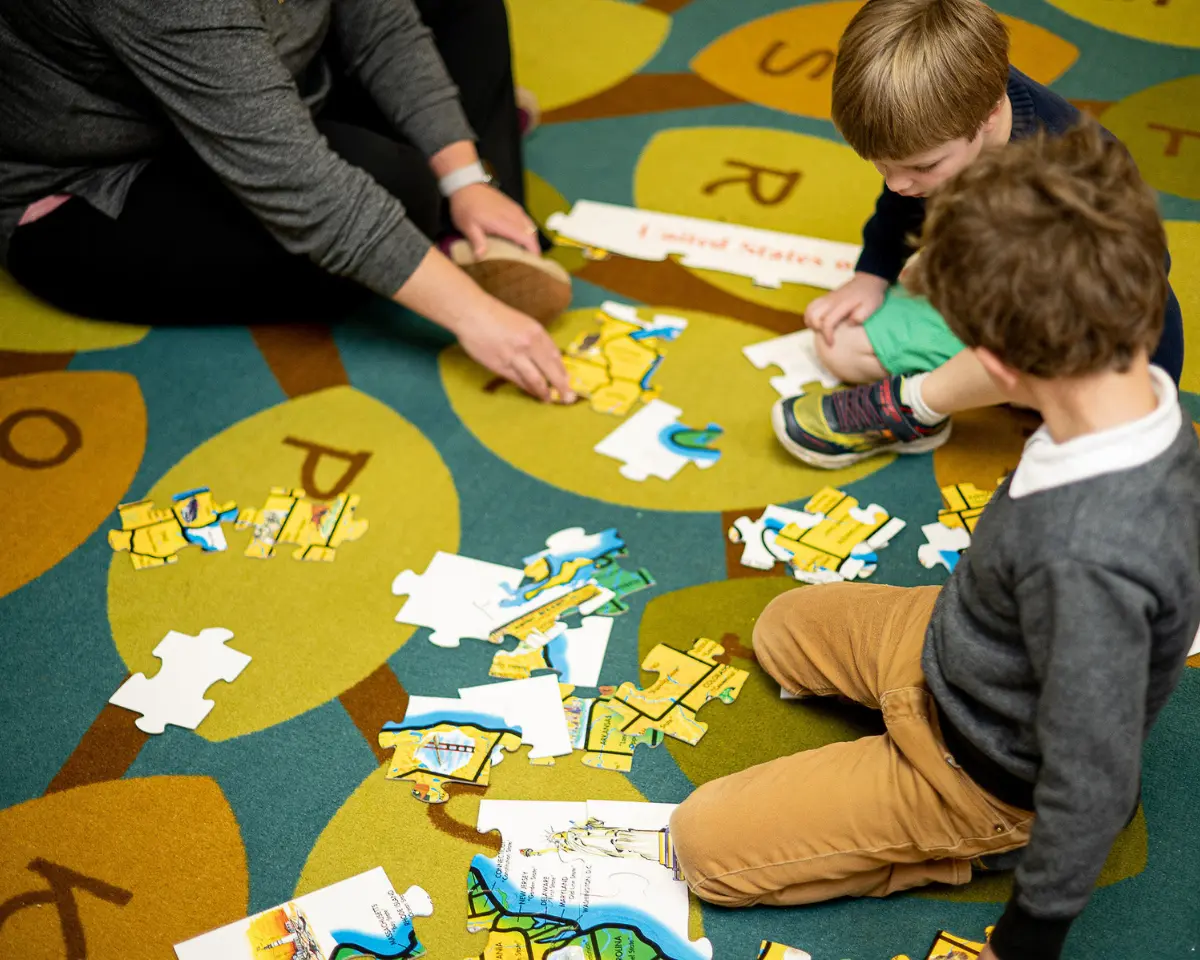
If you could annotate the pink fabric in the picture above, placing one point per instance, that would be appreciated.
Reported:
(39, 209)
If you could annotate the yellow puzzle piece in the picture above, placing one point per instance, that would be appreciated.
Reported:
(687, 680)
(964, 503)
(613, 367)
(949, 947)
(830, 541)
(434, 755)
(603, 729)
(153, 537)
(318, 527)
(544, 617)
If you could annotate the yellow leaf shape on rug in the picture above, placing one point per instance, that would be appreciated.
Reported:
(285, 613)
(70, 444)
(542, 200)
(145, 862)
(566, 52)
(770, 179)
(1161, 127)
(785, 60)
(1183, 239)
(1174, 23)
(30, 325)
(704, 373)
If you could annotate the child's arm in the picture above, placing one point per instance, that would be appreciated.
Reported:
(1087, 630)
(886, 235)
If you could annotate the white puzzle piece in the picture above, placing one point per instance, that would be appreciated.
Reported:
(767, 257)
(1195, 645)
(577, 654)
(361, 913)
(943, 546)
(640, 443)
(175, 695)
(796, 355)
(759, 549)
(603, 862)
(535, 705)
(445, 597)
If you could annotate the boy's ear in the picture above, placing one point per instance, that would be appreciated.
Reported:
(1005, 377)
(993, 118)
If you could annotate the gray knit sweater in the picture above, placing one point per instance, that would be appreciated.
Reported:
(1059, 637)
(89, 90)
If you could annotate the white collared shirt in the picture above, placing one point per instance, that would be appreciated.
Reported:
(1046, 464)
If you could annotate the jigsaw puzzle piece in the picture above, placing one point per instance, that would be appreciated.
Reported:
(687, 680)
(569, 558)
(963, 505)
(826, 552)
(946, 946)
(446, 598)
(652, 443)
(316, 527)
(175, 695)
(610, 575)
(154, 537)
(597, 727)
(944, 545)
(534, 706)
(759, 538)
(432, 755)
(541, 615)
(587, 880)
(796, 355)
(576, 654)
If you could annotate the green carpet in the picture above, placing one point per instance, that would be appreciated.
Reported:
(114, 843)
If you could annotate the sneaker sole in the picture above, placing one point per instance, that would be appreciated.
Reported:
(525, 287)
(836, 461)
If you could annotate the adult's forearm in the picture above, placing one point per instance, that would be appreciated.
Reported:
(442, 293)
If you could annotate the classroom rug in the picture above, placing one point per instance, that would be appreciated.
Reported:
(118, 843)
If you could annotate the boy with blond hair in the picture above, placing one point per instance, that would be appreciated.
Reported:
(1017, 698)
(922, 88)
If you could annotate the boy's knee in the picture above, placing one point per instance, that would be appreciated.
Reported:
(850, 357)
(698, 826)
(773, 630)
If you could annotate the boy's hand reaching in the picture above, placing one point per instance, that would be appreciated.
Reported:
(854, 301)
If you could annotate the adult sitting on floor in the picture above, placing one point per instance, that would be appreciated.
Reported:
(258, 161)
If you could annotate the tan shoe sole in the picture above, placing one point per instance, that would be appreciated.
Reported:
(538, 287)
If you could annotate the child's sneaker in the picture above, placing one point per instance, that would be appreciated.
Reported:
(841, 428)
(534, 285)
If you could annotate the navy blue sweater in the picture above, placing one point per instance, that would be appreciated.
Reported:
(896, 218)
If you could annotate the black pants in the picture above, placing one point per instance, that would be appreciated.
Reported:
(185, 251)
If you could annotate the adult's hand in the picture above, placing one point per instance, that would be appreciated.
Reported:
(519, 349)
(480, 211)
(854, 301)
(500, 338)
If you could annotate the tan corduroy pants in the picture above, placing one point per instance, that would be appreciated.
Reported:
(865, 818)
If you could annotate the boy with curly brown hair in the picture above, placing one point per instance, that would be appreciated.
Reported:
(1017, 698)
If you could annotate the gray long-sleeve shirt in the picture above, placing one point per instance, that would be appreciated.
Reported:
(1059, 637)
(90, 89)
